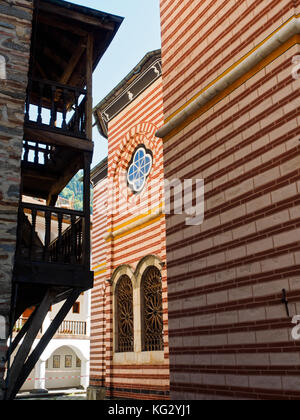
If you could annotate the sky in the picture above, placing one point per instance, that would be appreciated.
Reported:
(138, 35)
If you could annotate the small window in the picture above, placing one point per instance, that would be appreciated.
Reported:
(139, 169)
(56, 362)
(76, 308)
(68, 361)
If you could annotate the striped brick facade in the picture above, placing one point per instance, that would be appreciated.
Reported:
(229, 333)
(15, 36)
(126, 243)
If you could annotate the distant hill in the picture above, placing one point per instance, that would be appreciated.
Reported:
(73, 192)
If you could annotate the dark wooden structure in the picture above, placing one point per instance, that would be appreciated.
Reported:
(67, 43)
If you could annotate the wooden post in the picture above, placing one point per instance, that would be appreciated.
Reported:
(89, 86)
(88, 156)
(86, 209)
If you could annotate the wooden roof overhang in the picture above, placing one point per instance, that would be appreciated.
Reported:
(60, 32)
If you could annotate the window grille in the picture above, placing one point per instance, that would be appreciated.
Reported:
(124, 315)
(152, 311)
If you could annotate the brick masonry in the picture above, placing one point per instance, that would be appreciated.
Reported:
(15, 38)
(229, 334)
(138, 374)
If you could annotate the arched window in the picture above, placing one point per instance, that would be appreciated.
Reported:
(152, 311)
(124, 315)
(2, 67)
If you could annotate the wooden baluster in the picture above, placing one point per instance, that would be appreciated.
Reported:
(53, 106)
(73, 239)
(76, 120)
(41, 93)
(27, 102)
(47, 235)
(26, 151)
(33, 234)
(36, 153)
(86, 209)
(64, 113)
(59, 242)
(46, 154)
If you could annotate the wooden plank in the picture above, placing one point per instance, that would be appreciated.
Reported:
(74, 15)
(43, 342)
(57, 139)
(25, 347)
(61, 24)
(52, 274)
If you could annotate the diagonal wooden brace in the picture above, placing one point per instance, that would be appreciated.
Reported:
(43, 342)
(25, 348)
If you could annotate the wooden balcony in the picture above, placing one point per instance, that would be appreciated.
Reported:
(74, 328)
(56, 107)
(52, 251)
(70, 328)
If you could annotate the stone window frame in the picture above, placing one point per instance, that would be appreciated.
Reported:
(118, 274)
(3, 71)
(138, 355)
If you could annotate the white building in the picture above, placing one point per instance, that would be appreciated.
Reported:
(65, 362)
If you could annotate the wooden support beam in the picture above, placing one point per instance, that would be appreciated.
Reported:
(89, 86)
(44, 341)
(72, 64)
(57, 139)
(22, 332)
(52, 199)
(24, 350)
(68, 173)
(53, 275)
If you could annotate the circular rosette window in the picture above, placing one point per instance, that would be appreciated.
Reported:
(139, 169)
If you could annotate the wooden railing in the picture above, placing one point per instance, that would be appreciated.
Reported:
(56, 107)
(20, 324)
(67, 248)
(72, 328)
(37, 153)
(50, 234)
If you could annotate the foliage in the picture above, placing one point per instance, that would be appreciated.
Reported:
(73, 192)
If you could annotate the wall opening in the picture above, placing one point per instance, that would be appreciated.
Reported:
(2, 68)
(2, 328)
